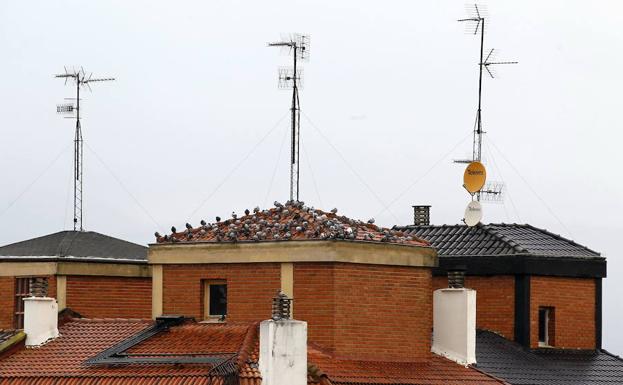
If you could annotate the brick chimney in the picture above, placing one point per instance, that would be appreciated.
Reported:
(454, 320)
(283, 346)
(40, 314)
(421, 215)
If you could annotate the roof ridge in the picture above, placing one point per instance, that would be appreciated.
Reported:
(500, 380)
(63, 249)
(503, 238)
(610, 354)
(248, 344)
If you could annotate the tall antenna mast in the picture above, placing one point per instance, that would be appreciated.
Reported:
(475, 24)
(298, 46)
(80, 79)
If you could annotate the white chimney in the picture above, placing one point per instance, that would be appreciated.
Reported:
(454, 321)
(40, 320)
(283, 347)
(40, 314)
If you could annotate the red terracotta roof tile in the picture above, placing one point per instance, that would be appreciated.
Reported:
(437, 371)
(62, 361)
(292, 221)
(194, 338)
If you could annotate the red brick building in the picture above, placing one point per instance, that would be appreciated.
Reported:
(534, 287)
(91, 273)
(344, 276)
(365, 293)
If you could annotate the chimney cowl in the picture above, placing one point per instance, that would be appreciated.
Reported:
(38, 287)
(456, 277)
(282, 307)
(421, 215)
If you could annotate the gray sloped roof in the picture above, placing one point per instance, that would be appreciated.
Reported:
(498, 240)
(75, 244)
(509, 361)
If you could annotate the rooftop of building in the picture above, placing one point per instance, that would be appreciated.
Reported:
(500, 248)
(289, 221)
(546, 366)
(75, 245)
(498, 239)
(115, 351)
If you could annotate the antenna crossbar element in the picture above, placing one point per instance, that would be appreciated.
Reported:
(287, 78)
(493, 192)
(81, 79)
(298, 46)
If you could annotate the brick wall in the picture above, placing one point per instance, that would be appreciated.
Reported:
(574, 302)
(366, 312)
(250, 289)
(495, 301)
(109, 297)
(7, 292)
(314, 301)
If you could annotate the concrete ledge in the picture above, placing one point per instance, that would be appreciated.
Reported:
(11, 341)
(294, 251)
(16, 269)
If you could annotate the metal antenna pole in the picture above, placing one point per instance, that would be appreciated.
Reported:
(294, 145)
(477, 153)
(78, 147)
(298, 45)
(81, 79)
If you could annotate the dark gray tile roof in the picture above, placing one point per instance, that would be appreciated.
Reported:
(75, 244)
(498, 240)
(509, 361)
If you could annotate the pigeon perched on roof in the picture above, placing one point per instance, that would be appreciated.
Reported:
(292, 221)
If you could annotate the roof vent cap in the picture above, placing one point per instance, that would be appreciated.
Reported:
(456, 277)
(38, 287)
(421, 215)
(282, 306)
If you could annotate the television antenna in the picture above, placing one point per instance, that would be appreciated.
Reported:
(81, 79)
(298, 46)
(475, 24)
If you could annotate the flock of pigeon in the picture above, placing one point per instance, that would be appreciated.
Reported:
(290, 221)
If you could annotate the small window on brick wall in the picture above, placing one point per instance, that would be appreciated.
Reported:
(546, 326)
(214, 300)
(22, 290)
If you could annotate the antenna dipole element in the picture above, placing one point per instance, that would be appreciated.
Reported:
(298, 46)
(81, 79)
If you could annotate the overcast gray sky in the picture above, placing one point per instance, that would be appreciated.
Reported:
(193, 126)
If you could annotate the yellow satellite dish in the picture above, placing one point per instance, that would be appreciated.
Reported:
(474, 177)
